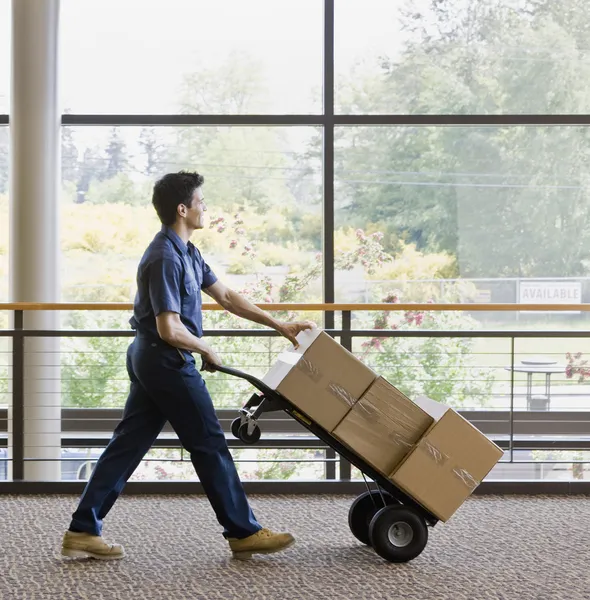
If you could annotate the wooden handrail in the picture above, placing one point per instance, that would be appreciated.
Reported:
(317, 307)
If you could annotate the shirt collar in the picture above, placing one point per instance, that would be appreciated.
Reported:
(175, 239)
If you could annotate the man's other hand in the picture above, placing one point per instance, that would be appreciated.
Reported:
(210, 360)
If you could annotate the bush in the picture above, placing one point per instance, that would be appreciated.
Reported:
(441, 368)
(93, 372)
(120, 189)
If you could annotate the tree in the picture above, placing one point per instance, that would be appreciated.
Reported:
(235, 87)
(507, 201)
(117, 160)
(154, 150)
(237, 159)
(69, 154)
(91, 168)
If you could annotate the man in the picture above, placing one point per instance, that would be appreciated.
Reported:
(166, 385)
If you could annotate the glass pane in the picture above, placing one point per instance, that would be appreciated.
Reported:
(187, 56)
(465, 214)
(5, 20)
(264, 199)
(465, 373)
(457, 57)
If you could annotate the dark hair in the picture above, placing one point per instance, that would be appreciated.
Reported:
(174, 189)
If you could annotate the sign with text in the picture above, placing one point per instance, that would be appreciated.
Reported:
(550, 292)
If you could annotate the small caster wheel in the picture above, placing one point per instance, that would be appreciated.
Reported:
(246, 437)
(235, 427)
(361, 512)
(398, 533)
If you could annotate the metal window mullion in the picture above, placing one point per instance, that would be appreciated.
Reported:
(396, 120)
(172, 120)
(328, 162)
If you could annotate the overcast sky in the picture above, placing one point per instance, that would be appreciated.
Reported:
(129, 56)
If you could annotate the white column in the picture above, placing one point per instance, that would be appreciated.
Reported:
(34, 218)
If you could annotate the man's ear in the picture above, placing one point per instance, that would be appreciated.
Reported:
(181, 210)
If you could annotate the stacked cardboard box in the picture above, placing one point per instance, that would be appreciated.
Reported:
(448, 463)
(321, 378)
(383, 426)
(424, 447)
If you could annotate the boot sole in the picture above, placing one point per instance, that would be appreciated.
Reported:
(247, 554)
(71, 553)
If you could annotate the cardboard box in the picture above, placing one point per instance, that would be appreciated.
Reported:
(383, 426)
(448, 463)
(321, 378)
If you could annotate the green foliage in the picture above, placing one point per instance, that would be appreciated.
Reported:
(121, 189)
(93, 370)
(443, 369)
(507, 201)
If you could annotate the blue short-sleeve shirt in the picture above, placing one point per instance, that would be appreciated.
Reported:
(170, 277)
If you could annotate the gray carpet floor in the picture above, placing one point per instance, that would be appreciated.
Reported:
(496, 548)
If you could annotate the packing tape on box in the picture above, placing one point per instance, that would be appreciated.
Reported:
(408, 426)
(341, 393)
(466, 477)
(309, 369)
(440, 458)
(400, 440)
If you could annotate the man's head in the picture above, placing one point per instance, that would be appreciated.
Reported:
(178, 196)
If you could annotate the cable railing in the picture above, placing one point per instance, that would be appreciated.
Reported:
(62, 393)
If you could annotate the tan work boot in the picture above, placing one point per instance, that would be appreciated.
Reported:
(261, 542)
(84, 545)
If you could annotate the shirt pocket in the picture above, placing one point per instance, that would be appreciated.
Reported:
(189, 283)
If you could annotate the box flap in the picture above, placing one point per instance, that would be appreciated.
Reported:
(306, 338)
(435, 409)
(287, 359)
(324, 382)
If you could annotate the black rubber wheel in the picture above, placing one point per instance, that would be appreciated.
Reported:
(249, 438)
(398, 533)
(363, 510)
(235, 427)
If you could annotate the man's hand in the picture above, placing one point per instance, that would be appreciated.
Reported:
(290, 330)
(210, 359)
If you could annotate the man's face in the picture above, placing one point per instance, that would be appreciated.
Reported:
(195, 214)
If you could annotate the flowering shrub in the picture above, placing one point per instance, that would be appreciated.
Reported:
(577, 367)
(442, 368)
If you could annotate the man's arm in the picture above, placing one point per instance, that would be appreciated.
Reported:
(173, 331)
(238, 305)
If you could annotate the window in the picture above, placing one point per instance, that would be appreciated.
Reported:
(464, 214)
(502, 57)
(186, 56)
(263, 192)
